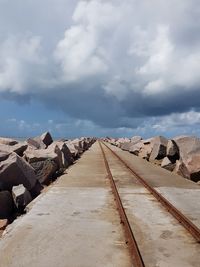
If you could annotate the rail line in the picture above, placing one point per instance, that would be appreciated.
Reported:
(177, 214)
(131, 242)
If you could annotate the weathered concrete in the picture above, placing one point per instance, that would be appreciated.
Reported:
(73, 224)
(161, 239)
(182, 193)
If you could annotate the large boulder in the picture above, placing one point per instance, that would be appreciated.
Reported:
(6, 205)
(146, 149)
(136, 148)
(14, 171)
(45, 170)
(21, 197)
(172, 151)
(7, 141)
(136, 139)
(73, 149)
(167, 164)
(121, 141)
(40, 142)
(189, 163)
(130, 145)
(4, 155)
(126, 146)
(187, 145)
(159, 148)
(17, 148)
(67, 158)
(46, 138)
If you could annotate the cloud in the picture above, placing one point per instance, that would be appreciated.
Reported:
(106, 64)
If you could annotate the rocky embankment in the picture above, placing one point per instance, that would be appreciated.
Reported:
(27, 167)
(180, 154)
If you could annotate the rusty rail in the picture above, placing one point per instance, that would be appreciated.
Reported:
(182, 219)
(131, 242)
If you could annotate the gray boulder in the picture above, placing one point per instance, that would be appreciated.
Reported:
(6, 205)
(21, 197)
(189, 163)
(8, 141)
(172, 151)
(44, 170)
(167, 164)
(159, 148)
(40, 142)
(136, 148)
(14, 171)
(136, 139)
(4, 155)
(18, 148)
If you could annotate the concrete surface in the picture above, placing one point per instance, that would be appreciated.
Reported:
(73, 224)
(182, 193)
(163, 242)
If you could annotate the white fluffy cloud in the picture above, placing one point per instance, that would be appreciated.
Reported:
(19, 62)
(135, 58)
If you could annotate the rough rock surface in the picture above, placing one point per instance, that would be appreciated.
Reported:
(14, 171)
(159, 148)
(135, 149)
(6, 205)
(167, 164)
(21, 197)
(44, 170)
(67, 158)
(136, 139)
(8, 141)
(18, 148)
(172, 151)
(4, 155)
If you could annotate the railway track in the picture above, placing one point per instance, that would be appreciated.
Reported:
(131, 240)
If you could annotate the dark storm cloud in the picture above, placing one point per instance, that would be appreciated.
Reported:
(114, 63)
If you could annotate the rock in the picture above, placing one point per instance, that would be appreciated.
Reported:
(172, 151)
(21, 197)
(189, 163)
(181, 169)
(146, 149)
(6, 205)
(4, 155)
(18, 148)
(187, 145)
(44, 170)
(167, 164)
(159, 148)
(36, 143)
(135, 149)
(46, 139)
(36, 190)
(3, 224)
(73, 150)
(136, 139)
(14, 171)
(126, 146)
(40, 142)
(121, 141)
(8, 141)
(67, 158)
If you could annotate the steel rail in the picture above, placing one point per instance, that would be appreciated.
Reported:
(182, 219)
(131, 242)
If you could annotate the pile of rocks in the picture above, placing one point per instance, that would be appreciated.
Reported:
(25, 167)
(180, 154)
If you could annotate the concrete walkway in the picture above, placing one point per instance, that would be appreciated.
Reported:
(73, 224)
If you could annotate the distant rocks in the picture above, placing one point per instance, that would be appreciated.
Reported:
(180, 154)
(26, 167)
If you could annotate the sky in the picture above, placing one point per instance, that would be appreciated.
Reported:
(99, 68)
